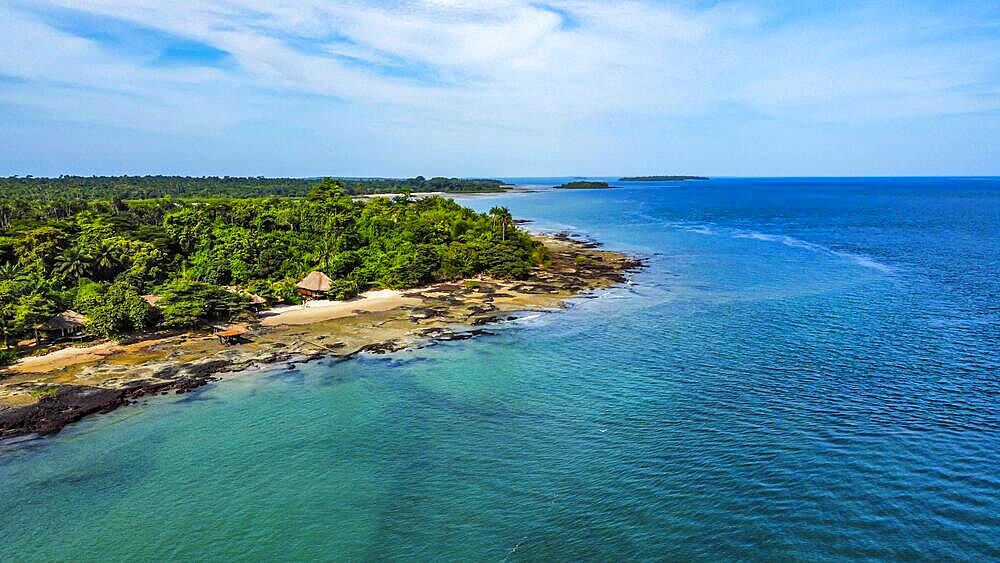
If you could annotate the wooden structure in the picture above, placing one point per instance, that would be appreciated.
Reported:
(232, 335)
(67, 323)
(315, 285)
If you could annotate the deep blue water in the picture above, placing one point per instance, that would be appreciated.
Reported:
(808, 369)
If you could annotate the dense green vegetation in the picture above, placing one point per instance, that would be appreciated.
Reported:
(660, 178)
(101, 256)
(582, 185)
(144, 187)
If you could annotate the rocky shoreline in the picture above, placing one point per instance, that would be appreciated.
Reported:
(45, 401)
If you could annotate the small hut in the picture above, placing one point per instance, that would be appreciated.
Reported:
(315, 285)
(67, 323)
(256, 301)
(152, 300)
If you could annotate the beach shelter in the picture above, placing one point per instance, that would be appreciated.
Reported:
(315, 285)
(66, 323)
(256, 301)
(232, 334)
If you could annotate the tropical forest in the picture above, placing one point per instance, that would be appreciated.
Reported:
(200, 259)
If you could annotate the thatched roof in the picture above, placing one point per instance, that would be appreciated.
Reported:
(315, 281)
(67, 320)
(152, 299)
(254, 299)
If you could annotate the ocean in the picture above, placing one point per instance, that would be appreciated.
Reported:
(808, 369)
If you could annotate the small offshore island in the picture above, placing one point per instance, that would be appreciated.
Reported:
(661, 178)
(110, 299)
(583, 185)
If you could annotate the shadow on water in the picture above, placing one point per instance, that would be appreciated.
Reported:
(198, 395)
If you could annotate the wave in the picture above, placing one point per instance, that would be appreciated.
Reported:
(703, 230)
(862, 260)
(537, 227)
(859, 259)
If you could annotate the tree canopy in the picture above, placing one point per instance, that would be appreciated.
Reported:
(118, 188)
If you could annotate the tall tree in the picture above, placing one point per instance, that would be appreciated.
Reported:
(502, 220)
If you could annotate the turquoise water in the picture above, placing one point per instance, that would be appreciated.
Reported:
(808, 369)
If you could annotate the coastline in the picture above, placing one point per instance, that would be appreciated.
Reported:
(41, 395)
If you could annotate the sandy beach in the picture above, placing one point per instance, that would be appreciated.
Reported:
(325, 310)
(75, 355)
(308, 313)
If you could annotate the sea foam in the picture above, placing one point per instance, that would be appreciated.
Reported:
(856, 258)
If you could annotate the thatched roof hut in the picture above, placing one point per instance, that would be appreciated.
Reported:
(316, 284)
(152, 299)
(67, 322)
(255, 300)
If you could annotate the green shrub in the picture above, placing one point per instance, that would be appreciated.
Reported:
(118, 310)
(8, 356)
(188, 304)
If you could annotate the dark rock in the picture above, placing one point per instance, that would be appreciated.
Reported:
(50, 414)
(382, 347)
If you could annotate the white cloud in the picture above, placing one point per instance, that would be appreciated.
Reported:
(512, 66)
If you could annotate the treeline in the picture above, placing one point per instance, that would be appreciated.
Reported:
(101, 258)
(145, 187)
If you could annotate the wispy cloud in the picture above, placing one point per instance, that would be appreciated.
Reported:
(492, 85)
(138, 42)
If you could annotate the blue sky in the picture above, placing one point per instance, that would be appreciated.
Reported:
(499, 87)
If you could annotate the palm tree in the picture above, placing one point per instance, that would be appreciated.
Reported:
(502, 218)
(105, 260)
(73, 264)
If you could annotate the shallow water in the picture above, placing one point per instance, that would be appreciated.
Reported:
(808, 369)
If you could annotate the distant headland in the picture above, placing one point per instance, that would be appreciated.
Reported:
(660, 178)
(90, 188)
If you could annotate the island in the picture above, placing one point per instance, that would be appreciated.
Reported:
(583, 185)
(107, 300)
(660, 178)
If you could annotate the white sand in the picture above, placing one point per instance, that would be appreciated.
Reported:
(324, 310)
(311, 312)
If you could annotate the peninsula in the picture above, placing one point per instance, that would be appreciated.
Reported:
(104, 301)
